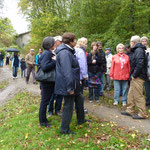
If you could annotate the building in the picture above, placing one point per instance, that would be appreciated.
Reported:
(23, 39)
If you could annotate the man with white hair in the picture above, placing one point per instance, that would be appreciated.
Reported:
(138, 77)
(30, 61)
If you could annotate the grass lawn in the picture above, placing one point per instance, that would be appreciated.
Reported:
(19, 128)
(3, 84)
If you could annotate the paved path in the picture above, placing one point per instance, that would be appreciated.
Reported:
(99, 110)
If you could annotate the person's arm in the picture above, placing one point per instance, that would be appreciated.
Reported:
(28, 60)
(47, 63)
(66, 68)
(82, 63)
(112, 68)
(139, 62)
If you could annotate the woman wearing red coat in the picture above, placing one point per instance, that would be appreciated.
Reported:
(120, 73)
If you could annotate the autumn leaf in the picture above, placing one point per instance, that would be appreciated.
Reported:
(26, 136)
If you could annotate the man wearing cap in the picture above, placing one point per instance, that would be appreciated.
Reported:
(30, 61)
(108, 65)
(59, 98)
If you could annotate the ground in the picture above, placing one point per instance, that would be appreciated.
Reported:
(98, 109)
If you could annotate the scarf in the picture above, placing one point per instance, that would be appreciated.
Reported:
(122, 60)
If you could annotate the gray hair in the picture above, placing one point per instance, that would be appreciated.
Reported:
(135, 39)
(119, 45)
(144, 38)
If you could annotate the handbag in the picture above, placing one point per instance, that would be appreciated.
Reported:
(42, 76)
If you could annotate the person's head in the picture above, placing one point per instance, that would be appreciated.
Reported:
(15, 53)
(144, 41)
(94, 47)
(69, 38)
(58, 40)
(32, 51)
(107, 50)
(48, 43)
(127, 48)
(99, 45)
(120, 48)
(82, 42)
(134, 40)
(40, 51)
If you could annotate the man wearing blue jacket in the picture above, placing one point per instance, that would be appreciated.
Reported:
(68, 82)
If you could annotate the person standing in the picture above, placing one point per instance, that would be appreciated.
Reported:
(68, 82)
(7, 58)
(139, 74)
(30, 61)
(1, 59)
(101, 56)
(59, 98)
(15, 63)
(94, 73)
(144, 41)
(23, 67)
(47, 62)
(109, 61)
(38, 56)
(120, 73)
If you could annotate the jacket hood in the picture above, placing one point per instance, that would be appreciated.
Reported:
(138, 45)
(63, 47)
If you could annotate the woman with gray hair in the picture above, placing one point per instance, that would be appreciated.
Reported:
(144, 41)
(47, 62)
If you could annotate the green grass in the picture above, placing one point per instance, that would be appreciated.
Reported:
(3, 84)
(19, 128)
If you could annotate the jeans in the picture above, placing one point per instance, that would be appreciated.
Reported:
(58, 103)
(68, 111)
(94, 91)
(118, 84)
(47, 89)
(147, 89)
(15, 71)
(107, 82)
(1, 63)
(101, 87)
(23, 73)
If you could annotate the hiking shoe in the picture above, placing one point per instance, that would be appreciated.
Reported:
(124, 104)
(58, 114)
(50, 114)
(115, 103)
(125, 113)
(97, 101)
(85, 111)
(45, 125)
(91, 101)
(137, 117)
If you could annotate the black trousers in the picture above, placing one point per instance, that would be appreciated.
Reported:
(47, 90)
(68, 111)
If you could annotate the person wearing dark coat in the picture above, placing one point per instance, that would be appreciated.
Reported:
(138, 72)
(68, 82)
(101, 57)
(1, 59)
(23, 67)
(47, 62)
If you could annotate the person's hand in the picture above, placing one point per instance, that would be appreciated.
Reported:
(94, 61)
(54, 57)
(111, 78)
(71, 92)
(86, 78)
(149, 78)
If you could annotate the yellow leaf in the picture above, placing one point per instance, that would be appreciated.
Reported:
(26, 136)
(133, 135)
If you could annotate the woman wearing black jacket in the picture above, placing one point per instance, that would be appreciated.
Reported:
(47, 63)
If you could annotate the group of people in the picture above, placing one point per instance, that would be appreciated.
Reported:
(76, 69)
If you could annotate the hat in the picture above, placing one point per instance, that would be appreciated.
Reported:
(107, 49)
(59, 38)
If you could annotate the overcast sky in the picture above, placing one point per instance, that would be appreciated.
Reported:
(12, 12)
